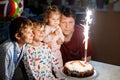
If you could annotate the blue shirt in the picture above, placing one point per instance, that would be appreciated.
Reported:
(8, 50)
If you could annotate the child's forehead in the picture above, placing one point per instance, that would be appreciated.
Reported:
(54, 13)
(39, 27)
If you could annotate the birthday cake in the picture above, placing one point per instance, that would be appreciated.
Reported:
(78, 68)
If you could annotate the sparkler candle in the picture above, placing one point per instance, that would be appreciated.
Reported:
(86, 30)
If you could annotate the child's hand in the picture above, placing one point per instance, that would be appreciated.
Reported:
(59, 41)
(56, 31)
(49, 45)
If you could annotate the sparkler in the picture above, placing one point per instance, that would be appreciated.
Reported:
(86, 30)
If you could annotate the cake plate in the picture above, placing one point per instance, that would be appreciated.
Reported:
(92, 77)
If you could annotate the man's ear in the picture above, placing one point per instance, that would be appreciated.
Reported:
(17, 36)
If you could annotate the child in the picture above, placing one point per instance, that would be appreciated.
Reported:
(11, 51)
(54, 36)
(38, 59)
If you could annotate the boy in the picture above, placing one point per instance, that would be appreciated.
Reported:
(11, 51)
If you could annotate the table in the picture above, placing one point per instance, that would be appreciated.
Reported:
(104, 71)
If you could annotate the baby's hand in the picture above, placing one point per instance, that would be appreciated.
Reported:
(59, 41)
(56, 31)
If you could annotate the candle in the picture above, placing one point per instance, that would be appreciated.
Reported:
(86, 31)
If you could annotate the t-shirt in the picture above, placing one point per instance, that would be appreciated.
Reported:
(39, 62)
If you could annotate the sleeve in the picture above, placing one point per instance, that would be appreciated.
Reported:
(29, 63)
(33, 68)
(56, 68)
(48, 36)
(7, 63)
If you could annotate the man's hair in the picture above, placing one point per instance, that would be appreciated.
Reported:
(17, 26)
(68, 12)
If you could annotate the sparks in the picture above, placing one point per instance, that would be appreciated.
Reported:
(88, 20)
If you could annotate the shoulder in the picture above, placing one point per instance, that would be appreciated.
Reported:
(47, 27)
(44, 46)
(78, 30)
(79, 27)
(6, 45)
(6, 48)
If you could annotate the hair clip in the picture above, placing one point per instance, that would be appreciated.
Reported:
(49, 6)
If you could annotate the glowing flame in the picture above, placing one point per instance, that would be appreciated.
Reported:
(86, 29)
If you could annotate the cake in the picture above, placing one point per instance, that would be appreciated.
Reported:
(78, 68)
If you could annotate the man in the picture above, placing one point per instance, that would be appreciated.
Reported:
(73, 46)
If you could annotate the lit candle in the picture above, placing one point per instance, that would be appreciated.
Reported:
(86, 30)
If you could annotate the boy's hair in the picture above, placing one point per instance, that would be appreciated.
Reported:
(37, 22)
(17, 26)
(68, 12)
(50, 9)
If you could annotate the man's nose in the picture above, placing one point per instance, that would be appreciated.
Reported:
(67, 25)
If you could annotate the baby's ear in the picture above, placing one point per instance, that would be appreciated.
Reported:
(17, 36)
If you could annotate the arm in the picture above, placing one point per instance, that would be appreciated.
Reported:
(61, 34)
(61, 37)
(56, 68)
(7, 63)
(5, 48)
(29, 64)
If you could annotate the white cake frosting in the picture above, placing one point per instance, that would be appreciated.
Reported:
(80, 66)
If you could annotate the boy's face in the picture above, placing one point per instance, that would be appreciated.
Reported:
(26, 37)
(39, 34)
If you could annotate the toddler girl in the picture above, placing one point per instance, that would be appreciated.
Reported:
(54, 36)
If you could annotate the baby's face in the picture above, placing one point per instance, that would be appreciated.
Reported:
(54, 20)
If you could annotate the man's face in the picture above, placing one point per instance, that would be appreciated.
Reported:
(67, 25)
